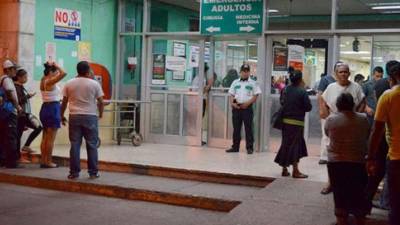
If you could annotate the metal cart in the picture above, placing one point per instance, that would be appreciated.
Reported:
(124, 120)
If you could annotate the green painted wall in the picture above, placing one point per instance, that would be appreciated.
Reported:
(99, 27)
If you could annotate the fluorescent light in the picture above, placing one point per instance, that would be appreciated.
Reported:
(273, 10)
(354, 53)
(387, 7)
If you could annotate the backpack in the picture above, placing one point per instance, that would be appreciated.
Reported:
(6, 107)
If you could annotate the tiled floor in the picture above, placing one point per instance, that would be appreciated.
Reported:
(200, 158)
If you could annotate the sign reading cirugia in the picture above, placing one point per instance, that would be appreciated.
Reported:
(231, 16)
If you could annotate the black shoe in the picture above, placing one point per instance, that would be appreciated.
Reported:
(94, 176)
(232, 150)
(326, 190)
(203, 143)
(250, 151)
(73, 176)
(322, 162)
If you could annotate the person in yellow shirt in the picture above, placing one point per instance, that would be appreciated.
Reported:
(388, 114)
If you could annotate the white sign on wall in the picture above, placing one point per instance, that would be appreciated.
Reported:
(67, 24)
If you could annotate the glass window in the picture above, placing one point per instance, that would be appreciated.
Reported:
(229, 57)
(176, 64)
(307, 55)
(357, 51)
(131, 58)
(368, 14)
(132, 16)
(385, 48)
(296, 15)
(174, 16)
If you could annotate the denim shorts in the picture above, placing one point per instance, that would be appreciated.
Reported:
(50, 115)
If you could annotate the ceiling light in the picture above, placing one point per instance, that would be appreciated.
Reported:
(273, 10)
(386, 7)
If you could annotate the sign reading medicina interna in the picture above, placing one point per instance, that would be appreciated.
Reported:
(231, 17)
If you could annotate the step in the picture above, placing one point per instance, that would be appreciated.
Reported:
(186, 193)
(186, 174)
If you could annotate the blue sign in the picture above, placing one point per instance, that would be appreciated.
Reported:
(67, 33)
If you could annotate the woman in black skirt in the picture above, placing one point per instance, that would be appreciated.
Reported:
(348, 133)
(295, 103)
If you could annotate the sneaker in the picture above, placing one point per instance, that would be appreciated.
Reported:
(322, 162)
(250, 151)
(73, 176)
(232, 150)
(94, 176)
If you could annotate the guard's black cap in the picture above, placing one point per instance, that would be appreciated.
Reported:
(245, 67)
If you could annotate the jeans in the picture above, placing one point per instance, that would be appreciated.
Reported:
(9, 153)
(83, 126)
(384, 199)
(393, 181)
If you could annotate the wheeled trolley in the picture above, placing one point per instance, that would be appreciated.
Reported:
(124, 120)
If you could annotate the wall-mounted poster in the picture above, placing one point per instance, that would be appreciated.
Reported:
(280, 59)
(158, 69)
(84, 51)
(179, 49)
(194, 56)
(296, 56)
(67, 24)
(51, 55)
(179, 60)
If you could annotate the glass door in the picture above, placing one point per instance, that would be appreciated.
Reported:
(174, 85)
(310, 55)
(228, 56)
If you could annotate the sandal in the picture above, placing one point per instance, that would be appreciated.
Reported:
(299, 175)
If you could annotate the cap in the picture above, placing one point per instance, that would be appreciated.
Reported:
(245, 67)
(9, 64)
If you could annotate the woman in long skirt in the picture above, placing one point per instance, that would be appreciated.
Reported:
(295, 103)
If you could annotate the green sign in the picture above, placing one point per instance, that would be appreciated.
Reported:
(231, 17)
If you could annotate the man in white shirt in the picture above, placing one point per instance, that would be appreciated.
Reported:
(9, 153)
(85, 97)
(334, 90)
(244, 93)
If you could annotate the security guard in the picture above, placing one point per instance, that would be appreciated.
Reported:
(244, 92)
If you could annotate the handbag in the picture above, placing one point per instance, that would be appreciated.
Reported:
(277, 117)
